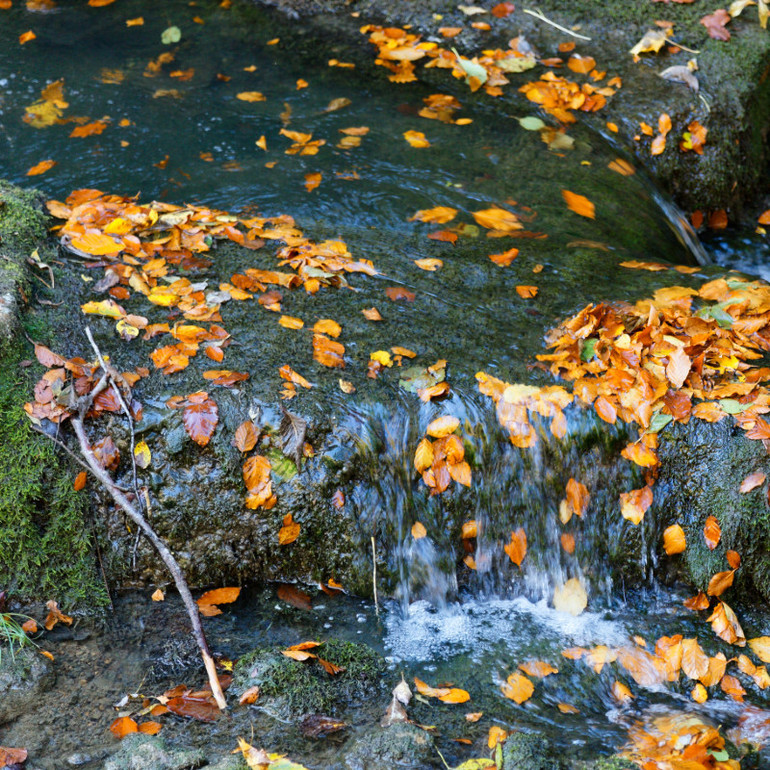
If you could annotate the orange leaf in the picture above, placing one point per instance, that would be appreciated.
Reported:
(418, 530)
(428, 691)
(150, 728)
(733, 559)
(517, 548)
(581, 64)
(498, 219)
(577, 497)
(438, 215)
(455, 695)
(416, 138)
(640, 454)
(372, 314)
(764, 218)
(720, 582)
(712, 532)
(289, 532)
(698, 602)
(122, 726)
(251, 695)
(526, 292)
(289, 322)
(674, 540)
(579, 204)
(605, 409)
(396, 293)
(568, 542)
(695, 662)
(327, 326)
(443, 235)
(256, 472)
(25, 37)
(80, 481)
(329, 667)
(89, 129)
(219, 596)
(634, 504)
(518, 688)
(504, 259)
(41, 168)
(328, 352)
(538, 668)
(246, 436)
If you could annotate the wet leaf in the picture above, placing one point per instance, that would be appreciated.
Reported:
(295, 597)
(712, 532)
(442, 426)
(517, 548)
(715, 24)
(150, 728)
(80, 481)
(200, 418)
(652, 42)
(577, 497)
(725, 625)
(570, 597)
(634, 504)
(418, 530)
(289, 532)
(123, 726)
(720, 582)
(158, 595)
(142, 455)
(674, 540)
(579, 204)
(695, 662)
(760, 646)
(293, 430)
(518, 688)
(416, 138)
(171, 35)
(41, 168)
(250, 695)
(620, 692)
(199, 706)
(538, 668)
(438, 215)
(752, 481)
(219, 596)
(246, 436)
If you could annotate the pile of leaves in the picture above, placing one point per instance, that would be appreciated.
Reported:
(398, 49)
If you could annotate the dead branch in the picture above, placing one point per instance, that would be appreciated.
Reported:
(168, 558)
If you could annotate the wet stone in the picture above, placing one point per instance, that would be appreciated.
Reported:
(24, 677)
(140, 752)
(399, 746)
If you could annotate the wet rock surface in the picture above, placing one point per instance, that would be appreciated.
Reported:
(25, 676)
(732, 74)
(139, 752)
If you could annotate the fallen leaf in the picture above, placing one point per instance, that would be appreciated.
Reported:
(123, 726)
(41, 168)
(579, 204)
(517, 548)
(712, 532)
(752, 481)
(715, 24)
(720, 582)
(416, 138)
(570, 597)
(518, 688)
(289, 532)
(418, 530)
(674, 540)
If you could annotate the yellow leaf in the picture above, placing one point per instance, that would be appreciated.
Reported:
(250, 96)
(760, 646)
(416, 138)
(142, 455)
(695, 662)
(289, 532)
(429, 264)
(439, 215)
(674, 540)
(105, 307)
(158, 595)
(699, 694)
(423, 456)
(570, 597)
(418, 530)
(382, 357)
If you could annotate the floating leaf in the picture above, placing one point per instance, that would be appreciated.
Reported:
(171, 35)
(579, 204)
(517, 688)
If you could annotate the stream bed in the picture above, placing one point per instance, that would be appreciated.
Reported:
(184, 122)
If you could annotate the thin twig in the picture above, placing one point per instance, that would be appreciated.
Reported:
(162, 549)
(374, 578)
(540, 15)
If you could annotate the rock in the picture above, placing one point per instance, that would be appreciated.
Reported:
(25, 676)
(290, 689)
(140, 752)
(401, 745)
(529, 751)
(605, 763)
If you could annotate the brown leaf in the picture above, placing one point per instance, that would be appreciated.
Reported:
(733, 559)
(396, 293)
(200, 417)
(55, 615)
(295, 597)
(752, 481)
(712, 532)
(251, 695)
(715, 24)
(330, 668)
(724, 623)
(577, 497)
(219, 596)
(698, 602)
(292, 430)
(200, 706)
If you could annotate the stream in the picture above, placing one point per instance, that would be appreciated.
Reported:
(172, 127)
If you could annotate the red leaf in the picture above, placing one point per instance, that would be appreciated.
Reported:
(195, 706)
(200, 419)
(501, 10)
(396, 293)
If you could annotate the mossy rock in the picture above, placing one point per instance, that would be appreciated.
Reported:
(24, 676)
(140, 752)
(399, 746)
(45, 539)
(289, 688)
(529, 751)
(606, 763)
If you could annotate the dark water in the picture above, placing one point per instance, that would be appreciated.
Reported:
(366, 195)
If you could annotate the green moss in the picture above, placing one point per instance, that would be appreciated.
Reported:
(528, 751)
(607, 763)
(45, 542)
(297, 688)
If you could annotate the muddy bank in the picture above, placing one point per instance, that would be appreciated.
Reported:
(733, 101)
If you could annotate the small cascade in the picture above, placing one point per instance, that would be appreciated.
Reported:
(512, 489)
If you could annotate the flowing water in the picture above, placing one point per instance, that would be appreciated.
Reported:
(175, 129)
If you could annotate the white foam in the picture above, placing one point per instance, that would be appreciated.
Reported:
(476, 626)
